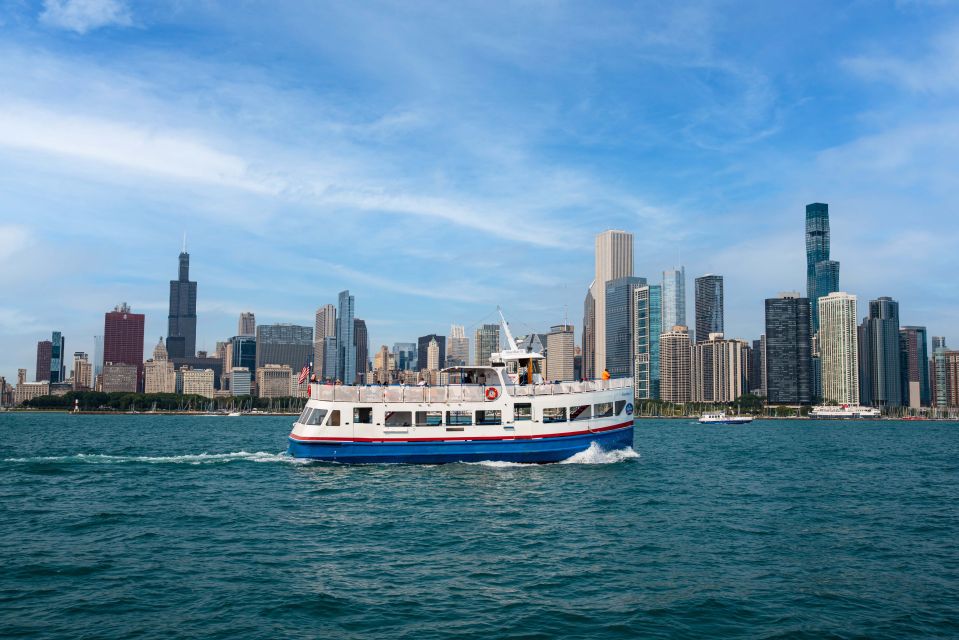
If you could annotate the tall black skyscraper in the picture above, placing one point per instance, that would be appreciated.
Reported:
(709, 306)
(880, 373)
(788, 365)
(181, 330)
(423, 344)
(822, 274)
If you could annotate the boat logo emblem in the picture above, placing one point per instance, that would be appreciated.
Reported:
(629, 409)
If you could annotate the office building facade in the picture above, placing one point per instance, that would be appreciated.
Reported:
(879, 355)
(486, 342)
(709, 306)
(614, 260)
(345, 338)
(457, 347)
(362, 350)
(422, 346)
(620, 332)
(560, 353)
(588, 350)
(324, 327)
(246, 326)
(647, 328)
(44, 354)
(788, 348)
(123, 339)
(674, 297)
(282, 344)
(181, 325)
(913, 365)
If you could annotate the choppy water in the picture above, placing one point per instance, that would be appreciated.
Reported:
(158, 527)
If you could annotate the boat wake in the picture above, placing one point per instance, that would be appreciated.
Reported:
(597, 455)
(193, 459)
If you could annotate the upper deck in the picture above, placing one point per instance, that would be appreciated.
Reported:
(457, 392)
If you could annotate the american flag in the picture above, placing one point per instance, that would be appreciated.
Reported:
(303, 374)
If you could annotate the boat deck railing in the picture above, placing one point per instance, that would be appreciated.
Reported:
(456, 392)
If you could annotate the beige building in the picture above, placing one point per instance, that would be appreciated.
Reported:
(82, 372)
(720, 369)
(839, 348)
(158, 373)
(560, 353)
(274, 381)
(118, 378)
(28, 390)
(675, 366)
(457, 347)
(196, 382)
(384, 365)
(433, 355)
(614, 259)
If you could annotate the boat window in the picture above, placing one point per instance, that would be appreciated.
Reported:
(306, 414)
(489, 417)
(582, 412)
(603, 410)
(363, 415)
(459, 417)
(334, 420)
(554, 414)
(312, 416)
(620, 405)
(522, 411)
(399, 418)
(429, 418)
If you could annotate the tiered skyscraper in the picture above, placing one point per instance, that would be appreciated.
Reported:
(614, 259)
(880, 377)
(181, 328)
(822, 274)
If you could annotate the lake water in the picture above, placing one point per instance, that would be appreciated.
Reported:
(172, 526)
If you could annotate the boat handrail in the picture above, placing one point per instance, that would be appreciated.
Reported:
(454, 392)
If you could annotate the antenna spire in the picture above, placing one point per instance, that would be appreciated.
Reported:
(184, 242)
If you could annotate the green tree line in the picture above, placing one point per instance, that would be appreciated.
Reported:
(99, 401)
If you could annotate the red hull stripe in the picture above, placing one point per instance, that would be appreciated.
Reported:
(503, 437)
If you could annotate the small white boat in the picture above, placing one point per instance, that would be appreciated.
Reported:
(233, 414)
(720, 417)
(844, 412)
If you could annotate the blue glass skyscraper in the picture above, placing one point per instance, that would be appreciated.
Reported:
(620, 328)
(345, 338)
(648, 323)
(709, 306)
(674, 298)
(822, 274)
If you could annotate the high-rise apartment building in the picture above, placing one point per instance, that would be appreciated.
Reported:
(674, 297)
(880, 374)
(346, 338)
(614, 259)
(938, 342)
(282, 344)
(362, 345)
(588, 355)
(181, 329)
(82, 372)
(323, 328)
(486, 342)
(788, 348)
(914, 356)
(822, 274)
(620, 330)
(246, 325)
(647, 327)
(757, 374)
(675, 367)
(123, 341)
(839, 348)
(720, 369)
(457, 347)
(44, 352)
(422, 345)
(560, 353)
(58, 354)
(709, 306)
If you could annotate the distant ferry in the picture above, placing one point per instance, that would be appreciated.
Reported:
(844, 412)
(502, 412)
(721, 418)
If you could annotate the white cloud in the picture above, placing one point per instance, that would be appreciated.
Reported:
(935, 72)
(13, 238)
(84, 15)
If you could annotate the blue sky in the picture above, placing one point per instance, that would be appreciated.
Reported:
(441, 159)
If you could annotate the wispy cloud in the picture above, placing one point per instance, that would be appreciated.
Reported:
(935, 71)
(82, 16)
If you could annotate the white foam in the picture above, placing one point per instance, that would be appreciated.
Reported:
(499, 464)
(597, 455)
(195, 459)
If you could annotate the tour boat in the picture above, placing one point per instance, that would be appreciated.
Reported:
(844, 412)
(502, 412)
(721, 418)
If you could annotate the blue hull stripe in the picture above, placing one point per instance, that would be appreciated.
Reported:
(526, 450)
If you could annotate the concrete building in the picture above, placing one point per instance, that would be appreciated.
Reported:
(839, 348)
(274, 381)
(614, 259)
(246, 325)
(44, 352)
(433, 356)
(720, 369)
(788, 349)
(647, 328)
(123, 343)
(674, 297)
(675, 367)
(457, 347)
(486, 343)
(159, 375)
(120, 377)
(82, 372)
(29, 390)
(241, 381)
(196, 382)
(709, 306)
(560, 353)
(384, 365)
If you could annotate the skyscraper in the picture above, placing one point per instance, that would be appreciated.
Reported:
(589, 336)
(709, 306)
(282, 344)
(404, 355)
(757, 374)
(243, 354)
(44, 352)
(560, 350)
(788, 349)
(362, 349)
(246, 325)
(674, 297)
(486, 343)
(822, 274)
(345, 339)
(82, 372)
(181, 329)
(323, 328)
(879, 355)
(914, 356)
(720, 369)
(839, 348)
(457, 347)
(620, 330)
(614, 259)
(123, 340)
(940, 374)
(58, 350)
(938, 342)
(422, 345)
(675, 367)
(97, 357)
(648, 325)
(433, 355)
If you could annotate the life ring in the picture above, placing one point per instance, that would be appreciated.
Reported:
(492, 393)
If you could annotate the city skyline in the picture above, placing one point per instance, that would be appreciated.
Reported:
(102, 183)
